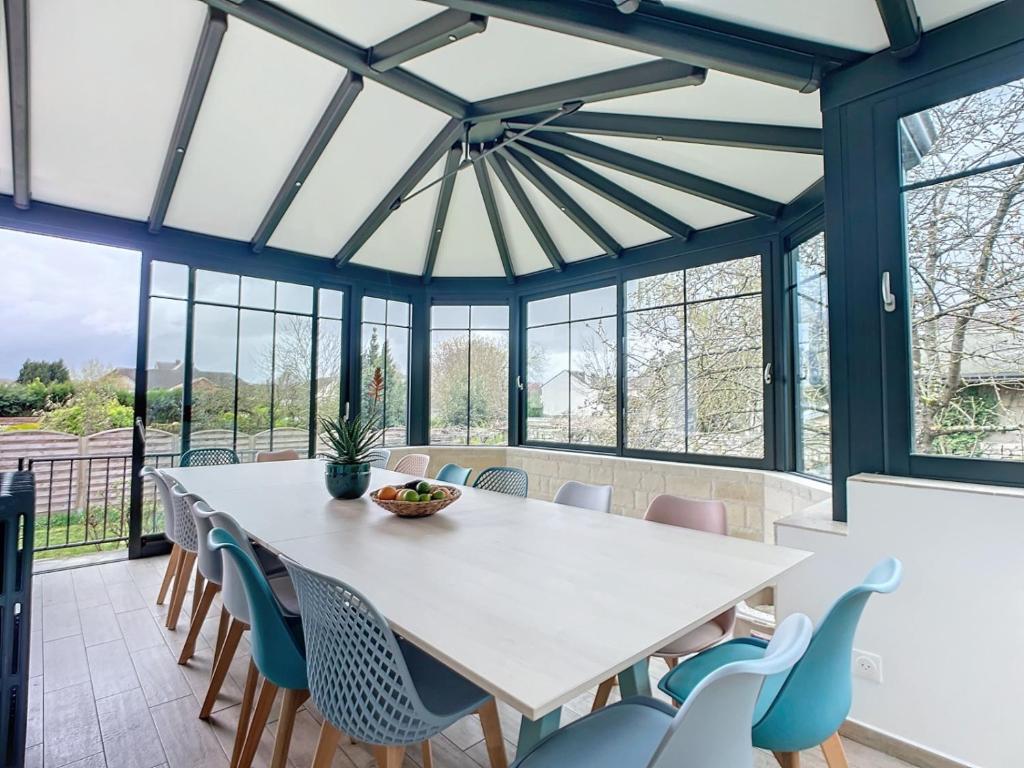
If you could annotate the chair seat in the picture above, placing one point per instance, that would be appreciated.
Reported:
(269, 562)
(624, 735)
(443, 691)
(694, 641)
(284, 591)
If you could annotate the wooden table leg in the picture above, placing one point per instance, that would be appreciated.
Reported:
(604, 690)
(532, 731)
(635, 681)
(491, 724)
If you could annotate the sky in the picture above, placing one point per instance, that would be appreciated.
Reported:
(66, 299)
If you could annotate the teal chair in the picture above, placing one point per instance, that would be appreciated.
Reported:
(278, 655)
(510, 480)
(454, 474)
(804, 708)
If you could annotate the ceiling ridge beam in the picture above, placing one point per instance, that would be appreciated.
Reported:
(343, 99)
(609, 190)
(777, 138)
(677, 36)
(483, 181)
(565, 202)
(515, 190)
(437, 147)
(902, 26)
(430, 34)
(16, 22)
(626, 81)
(188, 112)
(352, 57)
(444, 199)
(659, 173)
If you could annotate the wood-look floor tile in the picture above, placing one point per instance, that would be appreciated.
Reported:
(34, 729)
(60, 620)
(305, 734)
(34, 756)
(139, 630)
(125, 596)
(159, 675)
(111, 669)
(90, 589)
(197, 671)
(65, 663)
(117, 572)
(188, 742)
(225, 725)
(35, 652)
(99, 624)
(71, 731)
(54, 587)
(129, 737)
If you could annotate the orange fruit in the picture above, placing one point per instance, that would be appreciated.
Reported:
(387, 493)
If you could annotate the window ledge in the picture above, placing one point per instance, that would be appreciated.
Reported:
(817, 517)
(940, 485)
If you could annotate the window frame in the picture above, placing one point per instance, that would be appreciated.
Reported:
(411, 361)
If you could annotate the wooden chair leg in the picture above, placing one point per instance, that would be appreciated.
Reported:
(604, 690)
(222, 631)
(220, 669)
(260, 713)
(286, 722)
(835, 755)
(189, 648)
(172, 568)
(326, 746)
(245, 711)
(672, 661)
(492, 734)
(428, 754)
(788, 759)
(389, 757)
(197, 590)
(185, 563)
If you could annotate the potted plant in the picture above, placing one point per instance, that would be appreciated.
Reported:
(350, 443)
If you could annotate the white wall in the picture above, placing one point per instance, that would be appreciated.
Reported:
(952, 637)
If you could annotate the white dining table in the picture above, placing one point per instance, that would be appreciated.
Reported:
(535, 602)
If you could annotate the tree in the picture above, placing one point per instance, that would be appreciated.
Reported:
(47, 372)
(396, 401)
(469, 387)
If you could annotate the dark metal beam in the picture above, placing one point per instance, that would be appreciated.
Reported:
(198, 79)
(902, 26)
(657, 172)
(677, 35)
(340, 104)
(782, 138)
(429, 35)
(609, 190)
(444, 198)
(483, 181)
(627, 81)
(438, 146)
(302, 33)
(16, 19)
(564, 201)
(515, 190)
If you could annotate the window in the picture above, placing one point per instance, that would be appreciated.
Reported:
(571, 368)
(469, 375)
(963, 207)
(330, 356)
(385, 342)
(694, 357)
(810, 308)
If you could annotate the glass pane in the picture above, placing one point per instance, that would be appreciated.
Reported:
(656, 379)
(488, 419)
(293, 345)
(168, 279)
(968, 133)
(449, 387)
(656, 290)
(257, 293)
(255, 373)
(490, 317)
(398, 313)
(331, 303)
(372, 358)
(813, 419)
(374, 310)
(292, 297)
(329, 363)
(592, 382)
(546, 311)
(726, 278)
(967, 328)
(217, 287)
(596, 303)
(165, 376)
(725, 391)
(449, 317)
(396, 386)
(213, 376)
(547, 376)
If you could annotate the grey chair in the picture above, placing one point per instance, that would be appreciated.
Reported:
(210, 567)
(379, 457)
(164, 492)
(576, 494)
(186, 539)
(514, 482)
(208, 457)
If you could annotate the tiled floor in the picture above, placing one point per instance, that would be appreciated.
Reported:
(106, 689)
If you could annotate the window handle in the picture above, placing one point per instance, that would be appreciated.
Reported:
(140, 428)
(519, 383)
(768, 373)
(888, 298)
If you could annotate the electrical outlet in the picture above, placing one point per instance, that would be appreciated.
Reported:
(867, 665)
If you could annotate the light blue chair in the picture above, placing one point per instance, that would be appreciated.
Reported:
(710, 730)
(454, 474)
(278, 654)
(208, 457)
(379, 457)
(805, 708)
(514, 482)
(376, 687)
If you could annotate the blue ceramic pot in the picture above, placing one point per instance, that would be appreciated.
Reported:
(347, 481)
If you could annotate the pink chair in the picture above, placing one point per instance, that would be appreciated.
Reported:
(698, 515)
(413, 464)
(287, 454)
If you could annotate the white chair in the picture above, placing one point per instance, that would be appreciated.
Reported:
(585, 495)
(413, 464)
(288, 454)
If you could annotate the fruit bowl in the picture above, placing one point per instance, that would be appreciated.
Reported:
(408, 508)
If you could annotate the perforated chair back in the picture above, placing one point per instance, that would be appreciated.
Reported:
(585, 495)
(288, 454)
(514, 482)
(210, 563)
(712, 727)
(358, 676)
(276, 648)
(184, 523)
(232, 588)
(379, 457)
(453, 473)
(413, 464)
(163, 491)
(208, 457)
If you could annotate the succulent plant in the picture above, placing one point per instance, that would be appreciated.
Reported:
(351, 441)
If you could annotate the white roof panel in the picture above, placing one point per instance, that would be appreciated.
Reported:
(6, 172)
(572, 241)
(361, 22)
(935, 13)
(467, 243)
(527, 255)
